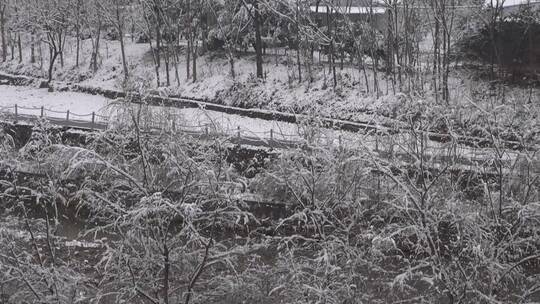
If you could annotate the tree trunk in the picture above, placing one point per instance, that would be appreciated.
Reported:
(372, 48)
(3, 31)
(78, 33)
(331, 57)
(123, 51)
(12, 46)
(176, 54)
(132, 30)
(148, 33)
(156, 67)
(52, 59)
(19, 45)
(258, 42)
(167, 67)
(231, 65)
(189, 41)
(120, 25)
(317, 3)
(204, 47)
(95, 51)
(194, 60)
(436, 60)
(33, 49)
(399, 58)
(40, 56)
(158, 37)
(95, 55)
(166, 273)
(61, 43)
(298, 59)
(362, 67)
(78, 49)
(188, 59)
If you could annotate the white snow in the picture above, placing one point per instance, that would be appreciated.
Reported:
(56, 104)
(230, 123)
(30, 100)
(201, 120)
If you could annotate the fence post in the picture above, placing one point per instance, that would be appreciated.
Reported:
(67, 115)
(93, 119)
(340, 141)
(271, 134)
(239, 135)
(206, 130)
(16, 112)
(174, 125)
(42, 110)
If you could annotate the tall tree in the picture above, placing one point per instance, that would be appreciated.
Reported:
(114, 13)
(258, 40)
(3, 21)
(51, 18)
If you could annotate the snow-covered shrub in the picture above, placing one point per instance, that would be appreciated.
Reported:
(43, 135)
(71, 163)
(383, 244)
(166, 200)
(7, 144)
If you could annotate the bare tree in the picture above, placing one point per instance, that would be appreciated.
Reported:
(50, 17)
(115, 16)
(3, 21)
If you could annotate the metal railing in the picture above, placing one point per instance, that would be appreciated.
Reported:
(67, 118)
(97, 121)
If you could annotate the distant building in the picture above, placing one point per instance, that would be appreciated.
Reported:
(509, 3)
(513, 6)
(372, 11)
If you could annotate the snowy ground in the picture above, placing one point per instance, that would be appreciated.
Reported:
(56, 104)
(30, 100)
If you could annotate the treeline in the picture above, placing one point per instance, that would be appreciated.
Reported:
(383, 39)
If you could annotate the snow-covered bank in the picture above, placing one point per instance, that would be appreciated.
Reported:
(201, 120)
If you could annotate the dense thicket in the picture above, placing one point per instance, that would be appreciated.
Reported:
(169, 219)
(511, 42)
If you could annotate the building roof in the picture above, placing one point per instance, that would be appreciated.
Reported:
(350, 7)
(350, 10)
(366, 3)
(510, 3)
